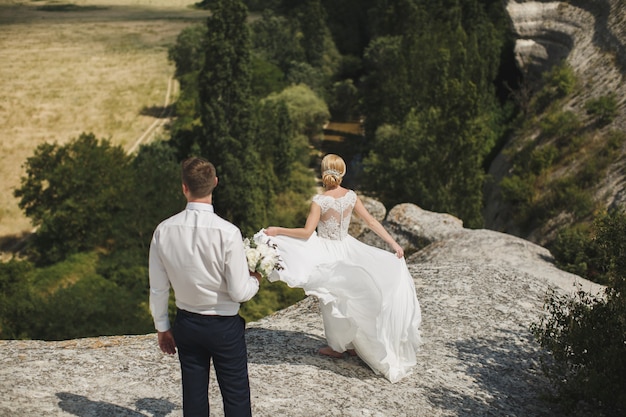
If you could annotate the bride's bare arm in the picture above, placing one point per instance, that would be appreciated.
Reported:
(378, 228)
(301, 232)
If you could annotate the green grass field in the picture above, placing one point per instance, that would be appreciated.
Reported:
(80, 66)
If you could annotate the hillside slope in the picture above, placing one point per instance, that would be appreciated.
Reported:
(590, 36)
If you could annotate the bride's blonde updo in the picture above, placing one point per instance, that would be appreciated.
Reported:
(333, 169)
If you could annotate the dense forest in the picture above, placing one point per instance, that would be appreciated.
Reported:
(259, 80)
(432, 86)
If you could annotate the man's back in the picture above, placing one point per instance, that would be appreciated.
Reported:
(203, 258)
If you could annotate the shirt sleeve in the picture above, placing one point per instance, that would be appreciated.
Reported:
(241, 286)
(159, 288)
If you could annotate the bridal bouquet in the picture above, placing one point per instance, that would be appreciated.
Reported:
(262, 254)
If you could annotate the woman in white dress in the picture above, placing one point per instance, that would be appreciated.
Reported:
(367, 295)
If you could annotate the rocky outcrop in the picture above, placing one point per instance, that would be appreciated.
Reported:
(479, 291)
(589, 34)
(545, 35)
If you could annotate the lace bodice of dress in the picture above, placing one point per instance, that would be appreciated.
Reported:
(335, 217)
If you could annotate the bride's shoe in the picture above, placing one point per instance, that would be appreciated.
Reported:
(327, 351)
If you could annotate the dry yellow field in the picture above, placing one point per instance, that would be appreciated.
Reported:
(93, 67)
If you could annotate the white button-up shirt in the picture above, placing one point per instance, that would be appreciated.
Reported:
(202, 257)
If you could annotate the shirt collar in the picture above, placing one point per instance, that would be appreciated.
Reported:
(200, 207)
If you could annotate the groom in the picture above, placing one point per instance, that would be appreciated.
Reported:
(201, 256)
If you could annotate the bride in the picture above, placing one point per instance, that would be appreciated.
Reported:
(367, 295)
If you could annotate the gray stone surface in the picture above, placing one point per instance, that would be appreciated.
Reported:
(479, 290)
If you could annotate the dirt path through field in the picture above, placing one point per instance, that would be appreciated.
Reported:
(160, 121)
(96, 66)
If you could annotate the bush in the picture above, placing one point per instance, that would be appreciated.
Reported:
(571, 197)
(558, 83)
(559, 125)
(603, 108)
(17, 301)
(610, 230)
(561, 79)
(71, 299)
(585, 333)
(575, 251)
(518, 189)
(90, 307)
(591, 171)
(542, 158)
(270, 298)
(614, 141)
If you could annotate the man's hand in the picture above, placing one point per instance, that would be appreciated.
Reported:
(166, 342)
(257, 275)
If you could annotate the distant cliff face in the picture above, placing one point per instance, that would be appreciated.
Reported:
(591, 36)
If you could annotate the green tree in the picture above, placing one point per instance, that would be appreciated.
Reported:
(75, 300)
(266, 77)
(305, 73)
(226, 115)
(275, 140)
(300, 43)
(187, 53)
(349, 22)
(157, 193)
(394, 18)
(385, 86)
(316, 39)
(434, 85)
(344, 101)
(407, 166)
(74, 197)
(275, 38)
(307, 111)
(285, 120)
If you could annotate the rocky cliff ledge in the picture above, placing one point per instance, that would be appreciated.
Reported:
(479, 291)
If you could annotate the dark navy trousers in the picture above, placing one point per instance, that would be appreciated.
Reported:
(200, 339)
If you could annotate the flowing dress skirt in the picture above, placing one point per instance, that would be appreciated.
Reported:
(367, 298)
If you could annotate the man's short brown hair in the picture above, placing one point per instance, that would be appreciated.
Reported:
(198, 175)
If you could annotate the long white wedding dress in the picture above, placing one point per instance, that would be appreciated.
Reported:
(367, 295)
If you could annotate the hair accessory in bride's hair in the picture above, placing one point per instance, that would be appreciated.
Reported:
(333, 172)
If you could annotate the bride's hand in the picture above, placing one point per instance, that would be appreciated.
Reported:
(271, 231)
(399, 251)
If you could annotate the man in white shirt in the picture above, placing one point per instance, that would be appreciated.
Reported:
(201, 256)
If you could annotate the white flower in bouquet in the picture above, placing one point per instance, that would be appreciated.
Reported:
(267, 265)
(262, 254)
(253, 255)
